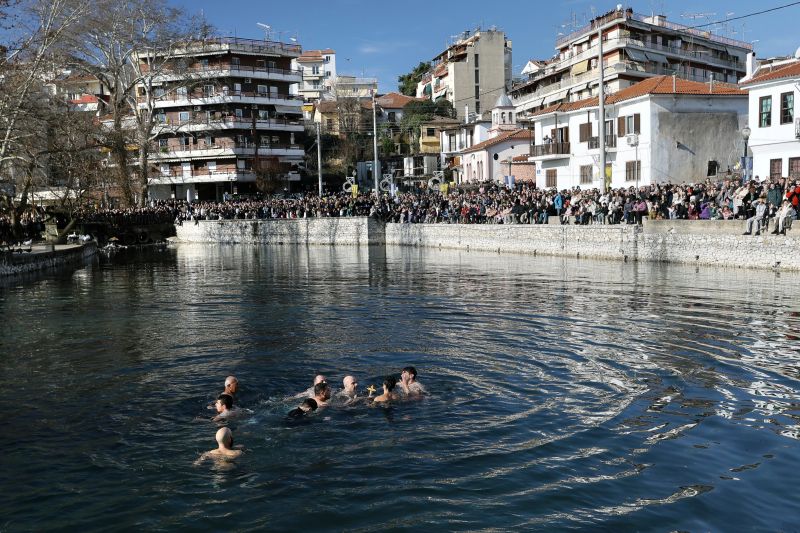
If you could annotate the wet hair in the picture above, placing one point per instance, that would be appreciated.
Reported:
(226, 399)
(411, 370)
(319, 388)
(311, 403)
(296, 413)
(390, 382)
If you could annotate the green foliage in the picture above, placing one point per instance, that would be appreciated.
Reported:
(407, 83)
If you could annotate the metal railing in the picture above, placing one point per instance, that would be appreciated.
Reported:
(238, 122)
(197, 148)
(174, 96)
(230, 66)
(611, 142)
(540, 150)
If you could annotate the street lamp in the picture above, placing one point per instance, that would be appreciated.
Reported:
(746, 131)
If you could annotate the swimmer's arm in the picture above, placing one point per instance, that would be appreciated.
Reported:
(203, 457)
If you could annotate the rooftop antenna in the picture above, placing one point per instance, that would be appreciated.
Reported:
(267, 31)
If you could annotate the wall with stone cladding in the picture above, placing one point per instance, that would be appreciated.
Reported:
(351, 231)
(688, 242)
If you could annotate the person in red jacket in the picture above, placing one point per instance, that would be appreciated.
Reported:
(793, 194)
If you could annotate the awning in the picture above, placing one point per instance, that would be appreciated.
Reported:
(288, 109)
(658, 58)
(555, 97)
(636, 55)
(580, 68)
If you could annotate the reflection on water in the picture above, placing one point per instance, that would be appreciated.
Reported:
(564, 393)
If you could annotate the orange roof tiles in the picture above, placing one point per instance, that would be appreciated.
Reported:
(650, 86)
(777, 72)
(313, 55)
(520, 134)
(395, 100)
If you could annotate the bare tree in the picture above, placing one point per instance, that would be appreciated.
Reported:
(38, 27)
(131, 46)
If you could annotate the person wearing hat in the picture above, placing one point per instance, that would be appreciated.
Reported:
(760, 207)
(784, 217)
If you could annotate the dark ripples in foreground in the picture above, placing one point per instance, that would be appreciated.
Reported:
(565, 394)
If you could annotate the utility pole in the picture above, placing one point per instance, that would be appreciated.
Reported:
(375, 163)
(319, 160)
(602, 113)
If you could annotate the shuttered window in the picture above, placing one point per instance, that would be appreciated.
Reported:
(586, 174)
(775, 168)
(552, 178)
(632, 170)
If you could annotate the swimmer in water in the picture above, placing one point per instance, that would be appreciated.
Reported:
(224, 449)
(409, 383)
(231, 387)
(306, 407)
(349, 393)
(322, 393)
(224, 406)
(389, 383)
(309, 392)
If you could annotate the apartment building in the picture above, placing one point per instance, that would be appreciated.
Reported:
(635, 47)
(318, 68)
(656, 131)
(774, 127)
(354, 87)
(471, 73)
(226, 117)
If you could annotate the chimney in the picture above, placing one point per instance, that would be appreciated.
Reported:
(751, 64)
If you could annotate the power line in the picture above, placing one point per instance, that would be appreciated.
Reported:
(745, 16)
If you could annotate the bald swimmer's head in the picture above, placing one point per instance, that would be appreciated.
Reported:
(319, 378)
(231, 384)
(224, 438)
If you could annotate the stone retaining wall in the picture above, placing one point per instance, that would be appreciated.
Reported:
(21, 263)
(662, 241)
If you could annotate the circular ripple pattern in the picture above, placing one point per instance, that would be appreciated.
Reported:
(563, 394)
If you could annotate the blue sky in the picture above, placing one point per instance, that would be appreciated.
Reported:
(385, 39)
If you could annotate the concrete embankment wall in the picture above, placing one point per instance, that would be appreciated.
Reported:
(21, 263)
(689, 242)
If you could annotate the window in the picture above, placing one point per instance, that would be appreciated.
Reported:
(787, 108)
(430, 132)
(327, 59)
(163, 144)
(204, 63)
(271, 64)
(262, 89)
(315, 70)
(181, 92)
(585, 132)
(263, 114)
(209, 140)
(477, 76)
(633, 170)
(794, 167)
(208, 90)
(161, 118)
(776, 168)
(478, 107)
(240, 164)
(260, 64)
(586, 174)
(552, 177)
(183, 142)
(238, 113)
(183, 116)
(235, 61)
(629, 124)
(765, 112)
(165, 170)
(392, 116)
(212, 167)
(503, 117)
(237, 88)
(477, 92)
(477, 64)
(329, 123)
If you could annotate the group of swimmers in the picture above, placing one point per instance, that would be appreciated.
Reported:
(317, 396)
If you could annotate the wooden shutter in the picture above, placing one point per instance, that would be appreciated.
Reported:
(565, 139)
(637, 123)
(620, 126)
(583, 133)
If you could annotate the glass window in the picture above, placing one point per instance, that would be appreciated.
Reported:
(787, 108)
(765, 112)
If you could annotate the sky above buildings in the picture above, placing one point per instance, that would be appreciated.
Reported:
(386, 39)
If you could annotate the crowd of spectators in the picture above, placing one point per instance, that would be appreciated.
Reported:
(756, 201)
(31, 224)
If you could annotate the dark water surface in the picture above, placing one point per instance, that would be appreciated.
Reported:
(564, 394)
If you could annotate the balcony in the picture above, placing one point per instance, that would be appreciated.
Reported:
(611, 142)
(205, 151)
(551, 151)
(180, 176)
(225, 97)
(201, 123)
(199, 72)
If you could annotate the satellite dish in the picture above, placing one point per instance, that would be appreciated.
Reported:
(797, 54)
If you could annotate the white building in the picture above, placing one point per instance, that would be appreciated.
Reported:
(318, 68)
(635, 47)
(663, 129)
(354, 87)
(774, 126)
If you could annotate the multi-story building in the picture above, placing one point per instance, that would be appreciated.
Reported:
(83, 92)
(471, 73)
(345, 86)
(656, 131)
(635, 47)
(318, 68)
(226, 118)
(774, 127)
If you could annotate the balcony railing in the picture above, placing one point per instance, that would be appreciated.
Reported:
(200, 148)
(245, 69)
(231, 121)
(611, 142)
(176, 97)
(541, 150)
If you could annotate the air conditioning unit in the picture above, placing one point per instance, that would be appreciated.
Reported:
(797, 128)
(248, 80)
(632, 139)
(197, 108)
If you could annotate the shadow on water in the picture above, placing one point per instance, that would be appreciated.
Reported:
(564, 394)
